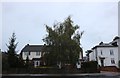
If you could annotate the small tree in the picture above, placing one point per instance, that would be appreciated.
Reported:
(12, 57)
(5, 64)
(27, 62)
(21, 63)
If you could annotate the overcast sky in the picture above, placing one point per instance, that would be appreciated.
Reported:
(99, 20)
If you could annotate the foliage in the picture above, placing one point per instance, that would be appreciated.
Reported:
(5, 64)
(21, 63)
(13, 59)
(27, 62)
(119, 63)
(91, 66)
(64, 43)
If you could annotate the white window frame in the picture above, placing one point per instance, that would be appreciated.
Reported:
(111, 52)
(101, 52)
(112, 61)
(36, 63)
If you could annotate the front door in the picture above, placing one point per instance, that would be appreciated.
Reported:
(36, 63)
(102, 62)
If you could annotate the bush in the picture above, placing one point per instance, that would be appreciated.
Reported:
(119, 63)
(89, 67)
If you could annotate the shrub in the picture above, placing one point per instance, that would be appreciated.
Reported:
(119, 63)
(89, 67)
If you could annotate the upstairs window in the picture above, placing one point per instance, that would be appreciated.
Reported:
(37, 53)
(101, 52)
(111, 52)
(26, 53)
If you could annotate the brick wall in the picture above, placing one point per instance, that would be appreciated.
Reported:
(109, 68)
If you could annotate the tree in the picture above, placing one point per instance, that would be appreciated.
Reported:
(12, 57)
(27, 62)
(64, 43)
(5, 64)
(20, 62)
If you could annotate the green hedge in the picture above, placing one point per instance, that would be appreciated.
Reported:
(90, 67)
(119, 63)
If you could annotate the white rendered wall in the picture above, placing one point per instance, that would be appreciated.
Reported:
(31, 56)
(80, 55)
(92, 56)
(119, 49)
(106, 54)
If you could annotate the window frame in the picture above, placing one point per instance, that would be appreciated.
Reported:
(36, 63)
(101, 52)
(111, 52)
(26, 53)
(112, 61)
(37, 53)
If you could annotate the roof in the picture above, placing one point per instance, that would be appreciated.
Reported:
(114, 43)
(32, 48)
(88, 51)
(105, 45)
(116, 38)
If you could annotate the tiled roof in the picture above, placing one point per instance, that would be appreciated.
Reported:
(33, 48)
(105, 45)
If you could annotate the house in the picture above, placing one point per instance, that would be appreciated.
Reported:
(106, 54)
(34, 53)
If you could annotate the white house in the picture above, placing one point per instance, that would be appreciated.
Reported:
(106, 54)
(33, 52)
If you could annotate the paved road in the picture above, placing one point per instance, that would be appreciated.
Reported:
(87, 75)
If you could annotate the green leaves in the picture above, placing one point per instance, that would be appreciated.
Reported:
(64, 42)
(13, 60)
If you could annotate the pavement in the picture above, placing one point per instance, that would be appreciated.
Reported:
(83, 74)
(110, 73)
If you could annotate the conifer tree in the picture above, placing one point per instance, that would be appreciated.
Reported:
(12, 56)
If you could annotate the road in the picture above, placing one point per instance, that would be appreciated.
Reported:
(86, 75)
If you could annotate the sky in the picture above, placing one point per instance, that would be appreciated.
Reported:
(98, 20)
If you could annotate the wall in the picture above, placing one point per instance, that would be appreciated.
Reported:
(92, 56)
(31, 56)
(106, 54)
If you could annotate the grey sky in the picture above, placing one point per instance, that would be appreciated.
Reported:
(98, 20)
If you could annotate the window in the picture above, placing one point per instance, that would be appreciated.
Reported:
(29, 53)
(37, 53)
(26, 53)
(36, 63)
(112, 61)
(101, 52)
(111, 52)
